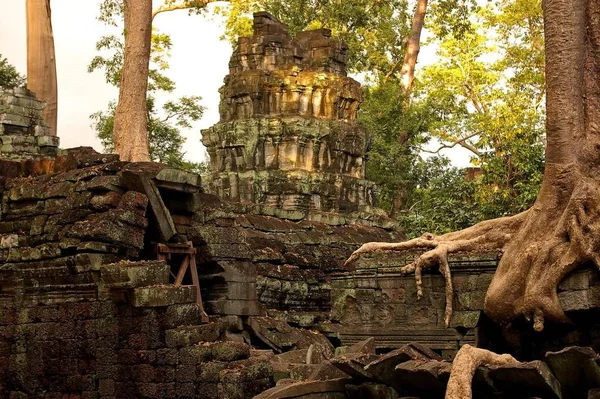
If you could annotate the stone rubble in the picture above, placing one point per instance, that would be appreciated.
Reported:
(414, 371)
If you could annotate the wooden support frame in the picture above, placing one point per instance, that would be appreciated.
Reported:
(164, 252)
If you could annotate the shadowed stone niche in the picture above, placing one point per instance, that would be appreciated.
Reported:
(23, 133)
(288, 135)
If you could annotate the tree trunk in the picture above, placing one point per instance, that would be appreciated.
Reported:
(407, 72)
(562, 229)
(41, 60)
(130, 133)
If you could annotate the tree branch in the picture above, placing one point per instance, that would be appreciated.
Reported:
(392, 71)
(462, 142)
(184, 5)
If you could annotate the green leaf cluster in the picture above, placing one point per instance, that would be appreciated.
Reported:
(441, 200)
(9, 77)
(487, 92)
(373, 30)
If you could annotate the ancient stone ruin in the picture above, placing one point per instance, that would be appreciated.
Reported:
(23, 133)
(288, 134)
(98, 290)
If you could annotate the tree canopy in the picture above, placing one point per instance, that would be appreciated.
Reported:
(9, 76)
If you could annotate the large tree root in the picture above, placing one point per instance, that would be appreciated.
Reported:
(559, 236)
(485, 236)
(466, 362)
(539, 248)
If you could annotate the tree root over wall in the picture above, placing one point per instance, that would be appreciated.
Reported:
(562, 230)
(540, 247)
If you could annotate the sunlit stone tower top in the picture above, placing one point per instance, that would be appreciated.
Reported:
(288, 135)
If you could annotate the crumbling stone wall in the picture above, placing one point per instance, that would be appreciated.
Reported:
(376, 300)
(255, 264)
(74, 288)
(23, 133)
(78, 317)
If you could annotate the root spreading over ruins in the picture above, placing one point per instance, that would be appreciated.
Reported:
(276, 275)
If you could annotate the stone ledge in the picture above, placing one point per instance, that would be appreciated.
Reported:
(165, 295)
(191, 335)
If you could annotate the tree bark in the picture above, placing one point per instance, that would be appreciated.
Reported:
(130, 132)
(41, 60)
(407, 72)
(562, 229)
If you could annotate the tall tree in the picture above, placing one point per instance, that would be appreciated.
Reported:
(413, 45)
(41, 59)
(130, 124)
(130, 133)
(561, 230)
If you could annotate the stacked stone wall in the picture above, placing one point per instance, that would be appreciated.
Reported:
(256, 259)
(23, 133)
(81, 315)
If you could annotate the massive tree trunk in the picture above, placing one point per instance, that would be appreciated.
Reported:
(562, 229)
(41, 60)
(407, 72)
(130, 132)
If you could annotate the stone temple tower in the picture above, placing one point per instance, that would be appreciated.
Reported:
(288, 136)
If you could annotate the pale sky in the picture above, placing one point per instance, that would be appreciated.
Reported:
(199, 63)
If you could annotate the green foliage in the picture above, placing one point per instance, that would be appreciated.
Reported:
(487, 91)
(164, 138)
(441, 201)
(373, 30)
(9, 77)
(396, 130)
(484, 92)
(164, 135)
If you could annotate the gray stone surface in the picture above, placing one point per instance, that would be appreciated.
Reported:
(288, 137)
(23, 133)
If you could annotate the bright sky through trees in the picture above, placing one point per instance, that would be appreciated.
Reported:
(198, 64)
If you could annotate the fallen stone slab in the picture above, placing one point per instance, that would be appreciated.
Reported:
(294, 356)
(576, 369)
(425, 378)
(331, 389)
(370, 390)
(139, 181)
(327, 371)
(282, 337)
(178, 180)
(302, 372)
(526, 379)
(384, 368)
(354, 367)
(316, 354)
(365, 346)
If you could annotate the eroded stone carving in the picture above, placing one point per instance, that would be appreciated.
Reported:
(23, 133)
(288, 135)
